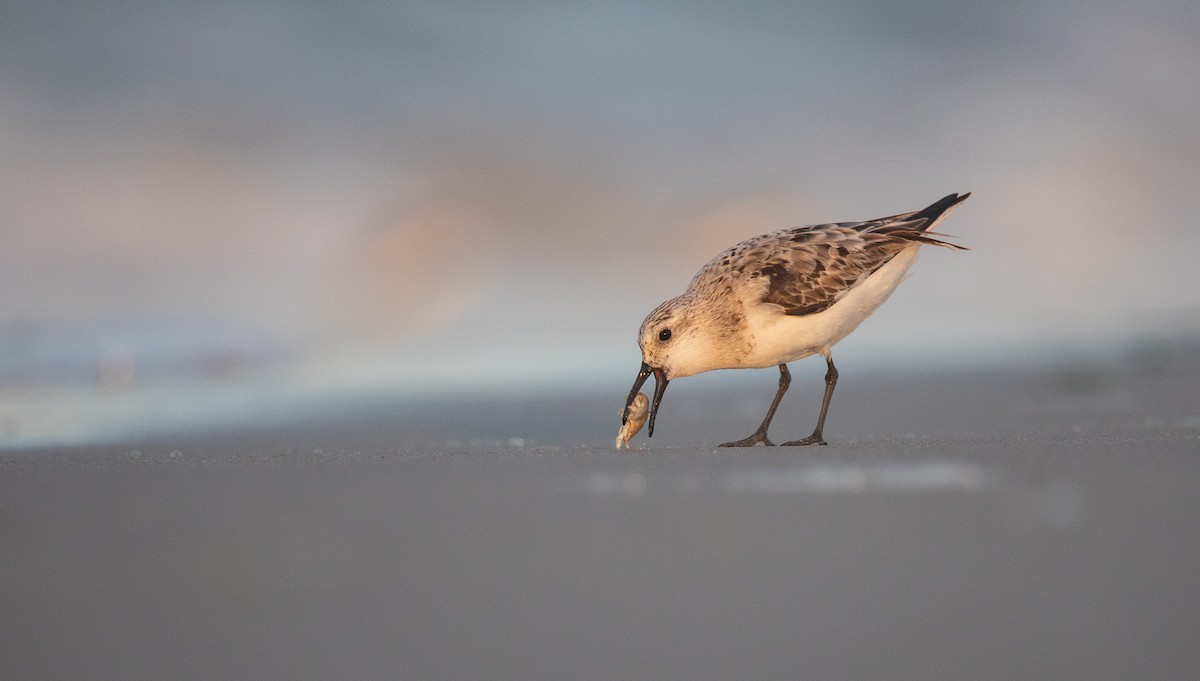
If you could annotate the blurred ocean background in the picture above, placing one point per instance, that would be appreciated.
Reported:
(227, 212)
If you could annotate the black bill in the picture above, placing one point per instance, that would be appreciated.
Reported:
(660, 387)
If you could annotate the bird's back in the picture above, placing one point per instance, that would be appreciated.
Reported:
(805, 270)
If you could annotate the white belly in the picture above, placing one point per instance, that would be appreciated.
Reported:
(780, 338)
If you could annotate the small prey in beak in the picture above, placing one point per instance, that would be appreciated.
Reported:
(633, 417)
(660, 387)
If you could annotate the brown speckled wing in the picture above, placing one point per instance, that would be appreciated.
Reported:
(807, 269)
(820, 264)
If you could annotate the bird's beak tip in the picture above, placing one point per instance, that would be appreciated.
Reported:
(660, 387)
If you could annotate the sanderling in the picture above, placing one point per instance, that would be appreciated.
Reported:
(632, 418)
(780, 297)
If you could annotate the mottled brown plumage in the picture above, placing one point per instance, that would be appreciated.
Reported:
(809, 268)
(782, 296)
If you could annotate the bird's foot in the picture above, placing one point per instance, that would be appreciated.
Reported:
(751, 441)
(814, 439)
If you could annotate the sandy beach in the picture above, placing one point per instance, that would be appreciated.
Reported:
(988, 525)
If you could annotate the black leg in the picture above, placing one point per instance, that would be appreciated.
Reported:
(831, 376)
(760, 435)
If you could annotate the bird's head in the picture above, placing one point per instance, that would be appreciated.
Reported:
(674, 345)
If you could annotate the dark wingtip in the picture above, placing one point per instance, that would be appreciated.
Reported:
(935, 210)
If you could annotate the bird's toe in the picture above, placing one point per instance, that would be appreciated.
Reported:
(750, 441)
(813, 439)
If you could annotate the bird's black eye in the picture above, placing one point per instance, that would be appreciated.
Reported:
(664, 335)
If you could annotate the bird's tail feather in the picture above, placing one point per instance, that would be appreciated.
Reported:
(921, 237)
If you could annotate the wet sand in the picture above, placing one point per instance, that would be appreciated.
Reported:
(1003, 525)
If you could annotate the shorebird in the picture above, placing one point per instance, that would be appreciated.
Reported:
(780, 297)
